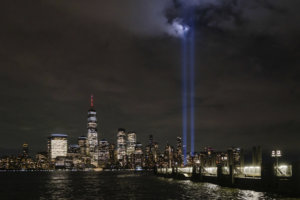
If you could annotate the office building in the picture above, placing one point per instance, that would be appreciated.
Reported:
(57, 146)
(121, 146)
(92, 135)
(103, 153)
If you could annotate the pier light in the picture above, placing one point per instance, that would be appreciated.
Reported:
(276, 154)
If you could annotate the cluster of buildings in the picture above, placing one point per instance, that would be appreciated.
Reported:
(126, 153)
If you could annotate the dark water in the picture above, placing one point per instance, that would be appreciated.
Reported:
(111, 185)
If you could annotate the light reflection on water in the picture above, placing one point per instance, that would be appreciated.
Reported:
(112, 185)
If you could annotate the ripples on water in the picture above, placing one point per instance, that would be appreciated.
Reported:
(111, 185)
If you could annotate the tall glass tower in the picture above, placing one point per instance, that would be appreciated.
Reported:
(121, 146)
(92, 135)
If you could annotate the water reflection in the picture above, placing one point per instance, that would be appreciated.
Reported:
(193, 190)
(113, 185)
(57, 186)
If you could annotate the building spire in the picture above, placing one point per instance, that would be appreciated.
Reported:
(92, 101)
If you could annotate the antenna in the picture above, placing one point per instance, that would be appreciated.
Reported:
(92, 100)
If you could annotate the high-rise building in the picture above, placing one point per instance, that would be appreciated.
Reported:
(121, 146)
(130, 149)
(112, 155)
(151, 140)
(208, 158)
(169, 156)
(150, 153)
(57, 146)
(178, 155)
(25, 150)
(103, 153)
(138, 155)
(155, 152)
(131, 141)
(236, 157)
(92, 134)
(222, 159)
(74, 150)
(41, 160)
(83, 145)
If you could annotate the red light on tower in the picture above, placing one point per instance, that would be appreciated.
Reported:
(92, 101)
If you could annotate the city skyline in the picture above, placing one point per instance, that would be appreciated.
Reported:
(96, 146)
(149, 99)
(246, 88)
(113, 139)
(91, 153)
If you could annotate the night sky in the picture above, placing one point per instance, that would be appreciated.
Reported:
(55, 53)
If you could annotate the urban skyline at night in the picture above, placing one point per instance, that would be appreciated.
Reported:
(125, 152)
(245, 84)
(95, 138)
(149, 99)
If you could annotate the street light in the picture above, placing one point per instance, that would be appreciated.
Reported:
(276, 154)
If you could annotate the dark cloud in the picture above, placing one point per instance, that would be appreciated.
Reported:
(54, 54)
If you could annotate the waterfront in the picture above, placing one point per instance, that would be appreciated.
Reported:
(112, 185)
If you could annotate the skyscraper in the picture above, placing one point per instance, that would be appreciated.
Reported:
(103, 153)
(92, 134)
(83, 145)
(179, 160)
(121, 146)
(138, 156)
(57, 146)
(236, 157)
(131, 141)
(130, 149)
(25, 150)
(112, 155)
(149, 156)
(168, 156)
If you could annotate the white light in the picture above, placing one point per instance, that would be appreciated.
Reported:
(211, 170)
(58, 148)
(178, 29)
(278, 153)
(273, 153)
(252, 170)
(185, 170)
(283, 167)
(169, 170)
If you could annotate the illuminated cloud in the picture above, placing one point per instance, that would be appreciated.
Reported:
(177, 28)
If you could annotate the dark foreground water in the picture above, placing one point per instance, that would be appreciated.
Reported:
(111, 185)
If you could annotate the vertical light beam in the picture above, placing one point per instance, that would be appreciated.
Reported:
(192, 78)
(184, 97)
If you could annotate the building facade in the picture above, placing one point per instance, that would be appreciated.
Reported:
(138, 156)
(103, 153)
(92, 135)
(121, 147)
(131, 142)
(83, 145)
(57, 146)
(130, 148)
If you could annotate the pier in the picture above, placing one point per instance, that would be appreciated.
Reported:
(282, 179)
